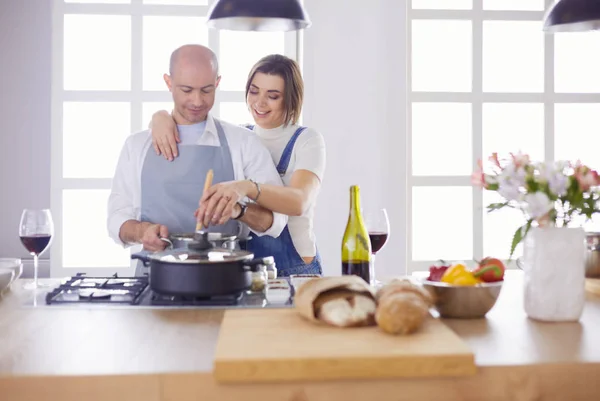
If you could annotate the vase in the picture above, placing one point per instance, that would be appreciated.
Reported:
(554, 264)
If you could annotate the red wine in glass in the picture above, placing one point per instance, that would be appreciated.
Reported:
(35, 230)
(36, 244)
(378, 240)
(378, 226)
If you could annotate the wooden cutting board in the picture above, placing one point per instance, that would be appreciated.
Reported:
(276, 345)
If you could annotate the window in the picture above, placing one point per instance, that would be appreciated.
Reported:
(484, 77)
(109, 57)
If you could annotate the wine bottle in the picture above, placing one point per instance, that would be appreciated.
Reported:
(356, 247)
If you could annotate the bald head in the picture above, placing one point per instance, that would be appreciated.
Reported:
(192, 80)
(193, 55)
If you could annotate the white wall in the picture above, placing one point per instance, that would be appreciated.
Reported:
(355, 95)
(25, 59)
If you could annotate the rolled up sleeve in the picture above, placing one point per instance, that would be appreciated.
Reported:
(121, 201)
(259, 167)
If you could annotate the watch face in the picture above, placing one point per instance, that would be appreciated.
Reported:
(242, 211)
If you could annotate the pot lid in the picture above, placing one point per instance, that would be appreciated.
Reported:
(209, 256)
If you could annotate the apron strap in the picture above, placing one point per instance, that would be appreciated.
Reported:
(287, 152)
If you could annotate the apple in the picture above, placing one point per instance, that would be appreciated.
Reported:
(437, 271)
(490, 270)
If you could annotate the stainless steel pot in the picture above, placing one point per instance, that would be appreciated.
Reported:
(217, 240)
(199, 273)
(592, 257)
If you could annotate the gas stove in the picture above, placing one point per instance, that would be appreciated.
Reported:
(133, 291)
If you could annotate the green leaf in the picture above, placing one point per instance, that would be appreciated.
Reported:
(496, 206)
(518, 237)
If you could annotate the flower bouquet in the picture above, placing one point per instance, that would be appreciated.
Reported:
(550, 194)
(556, 198)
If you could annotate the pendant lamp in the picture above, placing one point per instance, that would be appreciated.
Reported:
(258, 15)
(573, 16)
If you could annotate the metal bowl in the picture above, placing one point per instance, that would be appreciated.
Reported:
(461, 301)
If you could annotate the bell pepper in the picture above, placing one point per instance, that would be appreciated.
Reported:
(458, 274)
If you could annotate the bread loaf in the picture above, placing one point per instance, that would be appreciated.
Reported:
(402, 307)
(403, 285)
(345, 308)
(401, 313)
(345, 301)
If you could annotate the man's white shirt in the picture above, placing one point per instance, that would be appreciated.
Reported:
(250, 158)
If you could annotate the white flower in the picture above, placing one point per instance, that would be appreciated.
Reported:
(538, 204)
(559, 184)
(509, 190)
(553, 175)
(513, 173)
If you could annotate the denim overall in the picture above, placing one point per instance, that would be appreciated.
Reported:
(282, 248)
(170, 191)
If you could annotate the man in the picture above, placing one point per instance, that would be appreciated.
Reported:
(152, 197)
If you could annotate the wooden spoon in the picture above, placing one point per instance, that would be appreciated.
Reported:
(207, 183)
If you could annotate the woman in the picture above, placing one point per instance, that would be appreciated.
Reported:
(274, 93)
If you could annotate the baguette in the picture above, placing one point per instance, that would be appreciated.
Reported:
(401, 313)
(402, 307)
(345, 308)
(403, 285)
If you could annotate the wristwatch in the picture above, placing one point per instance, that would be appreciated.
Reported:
(242, 211)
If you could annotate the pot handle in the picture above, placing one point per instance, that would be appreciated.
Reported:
(143, 256)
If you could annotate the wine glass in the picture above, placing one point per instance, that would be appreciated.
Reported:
(36, 230)
(378, 226)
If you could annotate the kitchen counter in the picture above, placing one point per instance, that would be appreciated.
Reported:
(57, 353)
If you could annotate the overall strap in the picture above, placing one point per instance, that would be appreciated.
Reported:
(249, 126)
(287, 152)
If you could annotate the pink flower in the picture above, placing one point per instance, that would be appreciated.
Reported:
(494, 159)
(520, 159)
(478, 177)
(586, 177)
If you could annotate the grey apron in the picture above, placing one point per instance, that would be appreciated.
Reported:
(170, 191)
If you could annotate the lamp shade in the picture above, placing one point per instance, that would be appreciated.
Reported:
(573, 16)
(258, 15)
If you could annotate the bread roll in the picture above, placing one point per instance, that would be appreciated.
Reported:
(403, 285)
(401, 312)
(345, 308)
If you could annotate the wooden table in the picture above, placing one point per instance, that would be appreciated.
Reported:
(148, 354)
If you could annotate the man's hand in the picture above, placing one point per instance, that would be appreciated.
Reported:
(151, 237)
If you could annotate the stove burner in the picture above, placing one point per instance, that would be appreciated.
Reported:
(82, 289)
(168, 300)
(125, 290)
(93, 293)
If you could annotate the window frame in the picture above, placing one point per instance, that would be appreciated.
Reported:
(136, 96)
(476, 97)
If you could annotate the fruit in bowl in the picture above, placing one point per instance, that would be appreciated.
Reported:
(488, 270)
(463, 293)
